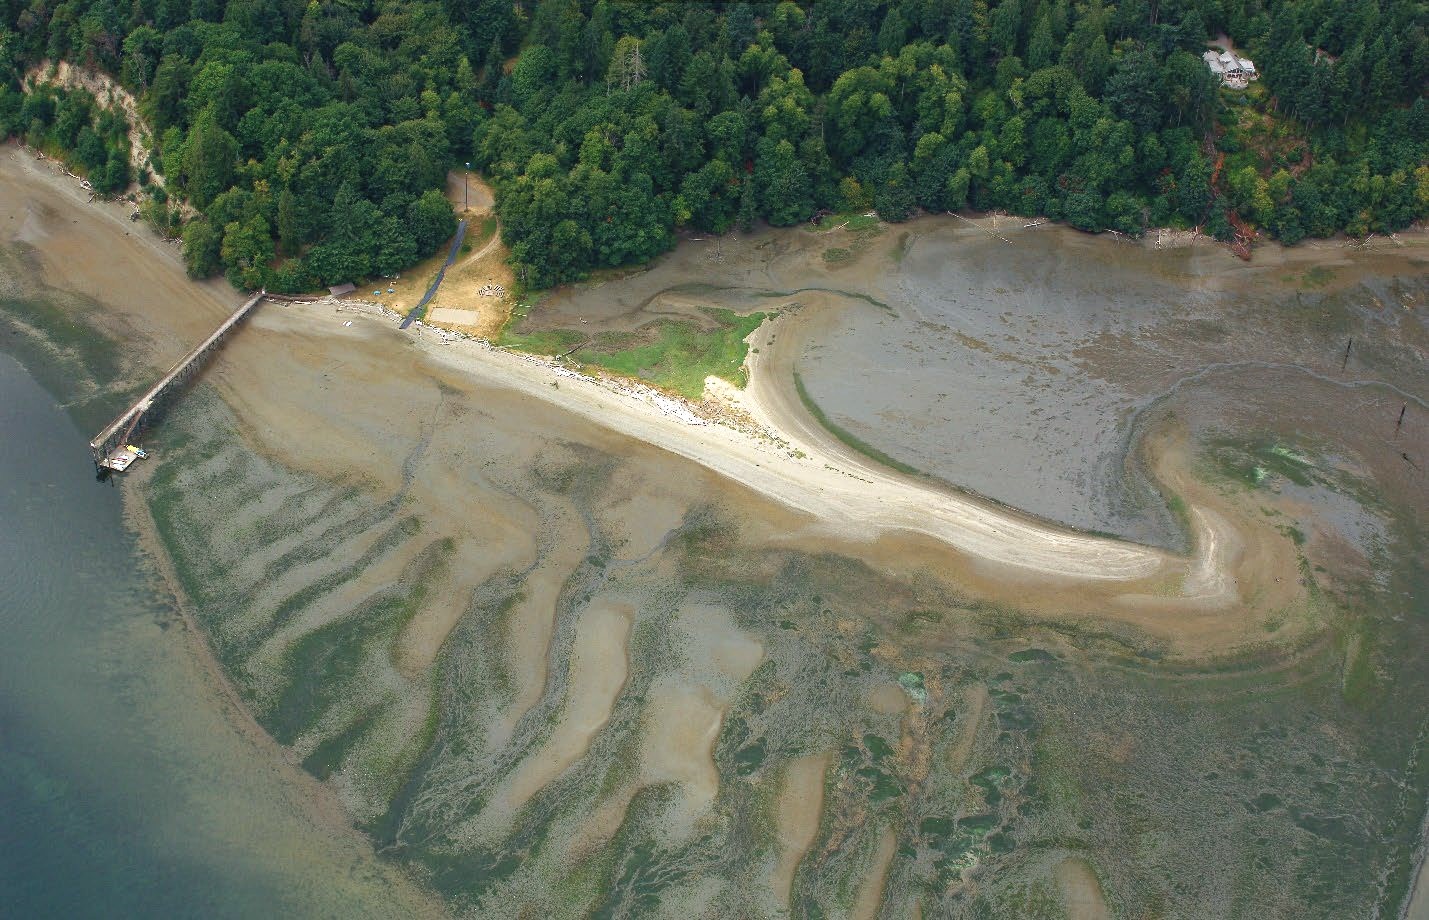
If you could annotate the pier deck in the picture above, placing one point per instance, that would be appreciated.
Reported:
(110, 446)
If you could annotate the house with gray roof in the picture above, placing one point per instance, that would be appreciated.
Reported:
(1233, 71)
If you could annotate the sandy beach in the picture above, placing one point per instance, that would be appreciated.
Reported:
(792, 460)
(786, 456)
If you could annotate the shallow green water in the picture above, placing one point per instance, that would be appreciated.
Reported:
(125, 789)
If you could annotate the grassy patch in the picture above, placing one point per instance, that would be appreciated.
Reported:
(478, 234)
(541, 341)
(837, 254)
(677, 355)
(848, 437)
(1177, 506)
(846, 221)
(485, 230)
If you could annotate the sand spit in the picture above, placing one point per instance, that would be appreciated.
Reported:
(528, 633)
(1081, 892)
(598, 668)
(870, 891)
(800, 465)
(801, 802)
(461, 452)
(686, 710)
(787, 456)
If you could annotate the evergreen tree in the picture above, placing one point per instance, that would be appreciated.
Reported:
(209, 160)
(603, 126)
(747, 209)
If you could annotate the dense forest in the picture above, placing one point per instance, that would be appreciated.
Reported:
(312, 138)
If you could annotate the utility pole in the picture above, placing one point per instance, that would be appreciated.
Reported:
(1400, 424)
(1346, 361)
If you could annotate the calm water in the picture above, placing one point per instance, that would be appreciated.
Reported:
(125, 790)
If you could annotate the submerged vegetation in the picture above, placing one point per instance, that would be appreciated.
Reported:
(1002, 747)
(572, 684)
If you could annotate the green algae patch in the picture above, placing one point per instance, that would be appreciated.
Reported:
(978, 824)
(325, 669)
(912, 684)
(327, 664)
(750, 758)
(329, 755)
(1317, 277)
(880, 749)
(1256, 461)
(936, 827)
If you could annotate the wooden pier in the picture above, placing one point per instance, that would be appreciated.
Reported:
(111, 446)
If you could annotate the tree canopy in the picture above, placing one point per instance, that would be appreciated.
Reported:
(313, 136)
(709, 116)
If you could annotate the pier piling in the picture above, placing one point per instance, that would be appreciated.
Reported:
(115, 436)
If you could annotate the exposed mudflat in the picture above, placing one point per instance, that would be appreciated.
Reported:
(555, 660)
(1020, 370)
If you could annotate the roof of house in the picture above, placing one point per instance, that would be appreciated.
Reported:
(1225, 64)
(337, 290)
